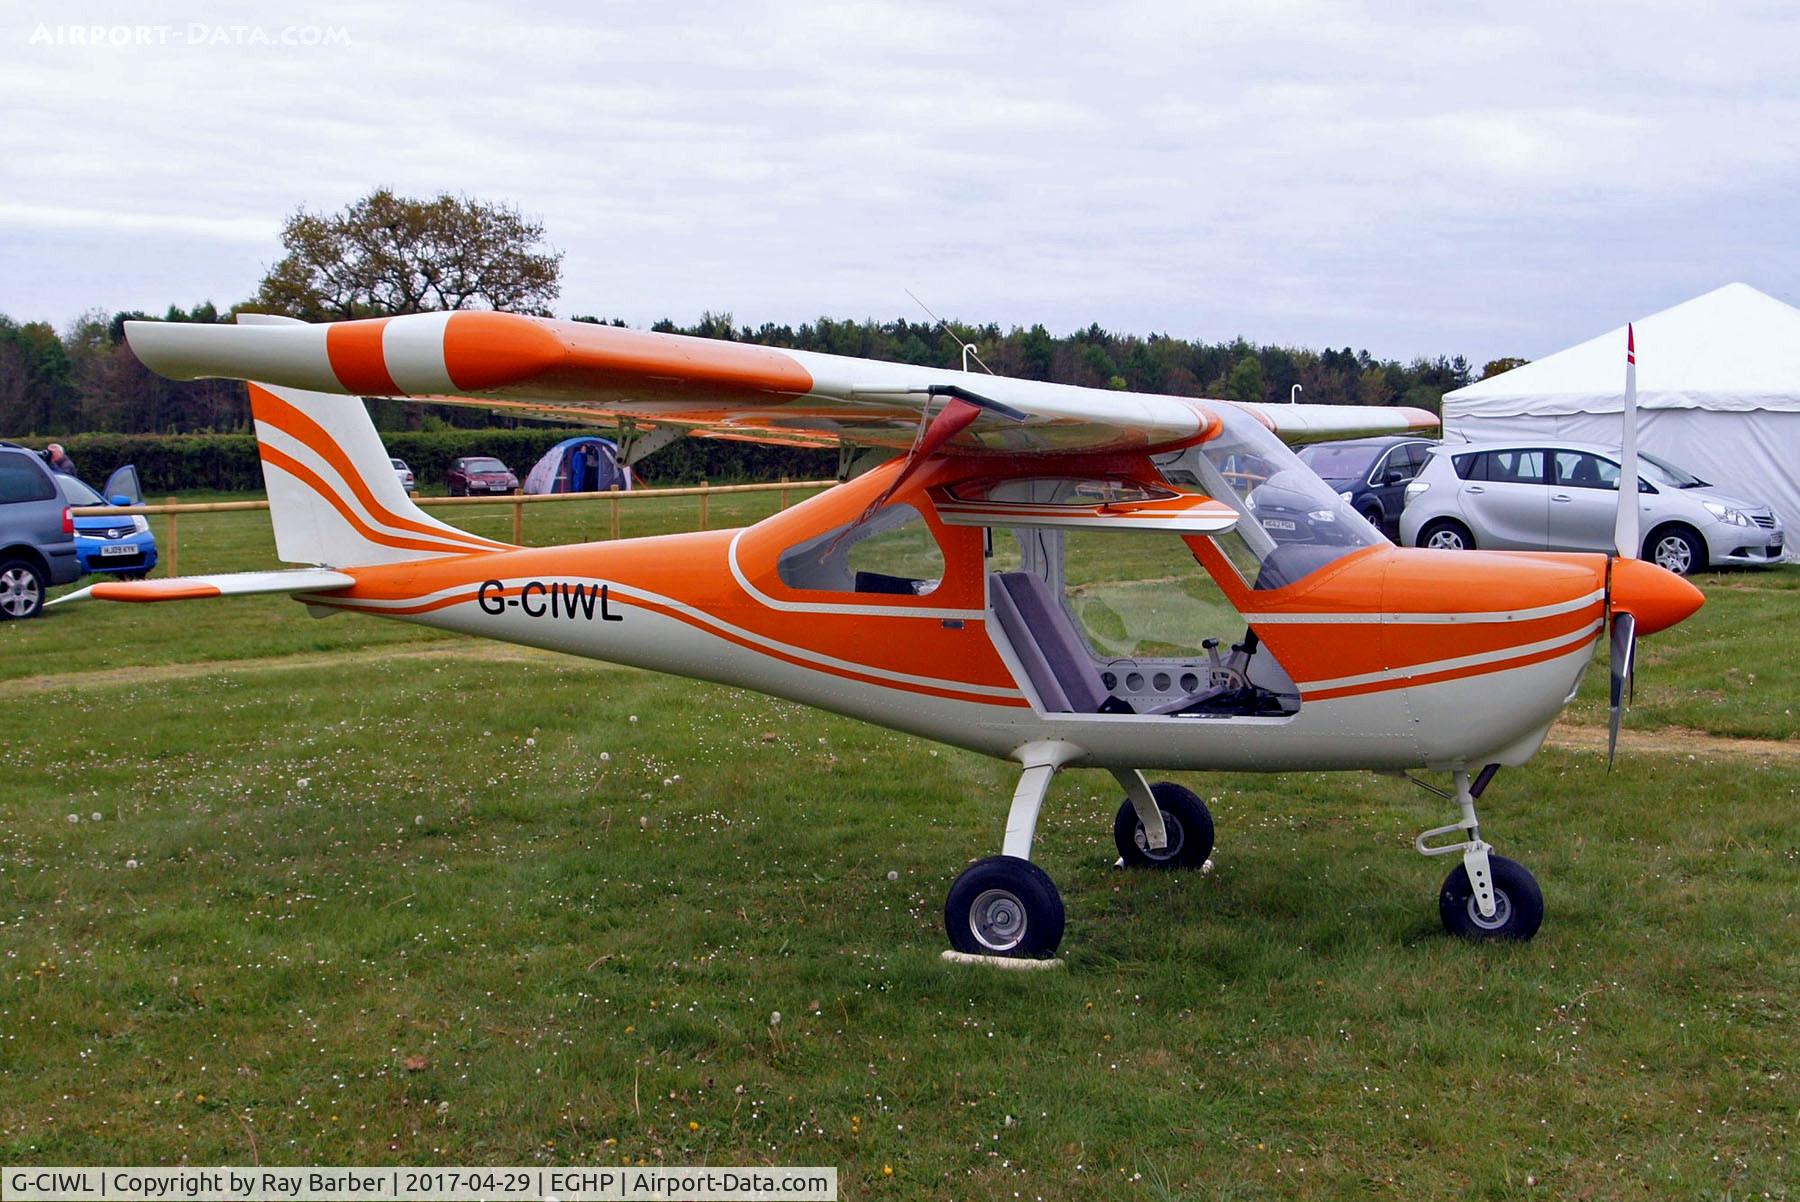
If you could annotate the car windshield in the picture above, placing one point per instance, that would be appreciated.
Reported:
(398, 463)
(483, 465)
(1661, 471)
(77, 493)
(1339, 462)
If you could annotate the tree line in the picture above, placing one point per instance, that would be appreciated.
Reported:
(386, 254)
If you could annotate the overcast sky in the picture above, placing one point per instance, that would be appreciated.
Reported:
(1482, 179)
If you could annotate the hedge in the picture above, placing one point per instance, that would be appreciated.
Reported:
(170, 463)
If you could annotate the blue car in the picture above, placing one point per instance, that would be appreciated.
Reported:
(119, 545)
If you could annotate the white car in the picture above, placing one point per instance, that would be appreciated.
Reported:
(404, 474)
(1534, 496)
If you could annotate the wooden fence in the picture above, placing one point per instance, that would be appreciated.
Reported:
(170, 542)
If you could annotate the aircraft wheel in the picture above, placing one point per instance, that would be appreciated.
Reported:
(1518, 903)
(1004, 906)
(1187, 821)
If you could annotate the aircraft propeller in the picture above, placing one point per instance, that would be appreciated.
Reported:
(1625, 545)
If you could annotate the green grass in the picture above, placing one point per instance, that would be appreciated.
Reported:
(449, 903)
(339, 871)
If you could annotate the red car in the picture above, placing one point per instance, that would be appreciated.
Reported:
(480, 474)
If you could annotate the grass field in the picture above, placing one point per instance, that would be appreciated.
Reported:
(359, 893)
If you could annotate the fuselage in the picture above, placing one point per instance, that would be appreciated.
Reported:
(1399, 658)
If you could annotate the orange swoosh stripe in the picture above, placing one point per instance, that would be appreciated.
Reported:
(293, 467)
(265, 406)
(728, 636)
(1382, 686)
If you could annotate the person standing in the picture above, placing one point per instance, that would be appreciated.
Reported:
(60, 462)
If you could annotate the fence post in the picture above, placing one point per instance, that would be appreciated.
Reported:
(614, 503)
(518, 519)
(704, 494)
(174, 558)
(784, 492)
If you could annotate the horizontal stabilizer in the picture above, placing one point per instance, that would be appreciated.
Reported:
(230, 584)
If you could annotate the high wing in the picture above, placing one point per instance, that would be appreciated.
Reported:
(581, 371)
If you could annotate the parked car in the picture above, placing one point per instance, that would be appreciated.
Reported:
(1564, 497)
(480, 474)
(404, 474)
(37, 533)
(1370, 473)
(121, 544)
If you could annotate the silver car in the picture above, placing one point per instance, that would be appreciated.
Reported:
(1533, 496)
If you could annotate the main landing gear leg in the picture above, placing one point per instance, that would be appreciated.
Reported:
(1005, 905)
(1487, 896)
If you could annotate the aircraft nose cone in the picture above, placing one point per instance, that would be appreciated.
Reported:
(1656, 597)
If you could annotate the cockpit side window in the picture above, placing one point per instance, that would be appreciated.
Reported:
(892, 552)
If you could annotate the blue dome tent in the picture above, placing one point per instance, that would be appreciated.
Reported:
(582, 464)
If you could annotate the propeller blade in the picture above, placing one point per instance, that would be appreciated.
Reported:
(1625, 524)
(1624, 655)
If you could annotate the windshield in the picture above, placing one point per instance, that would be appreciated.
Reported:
(1339, 462)
(1661, 471)
(1295, 522)
(483, 465)
(77, 493)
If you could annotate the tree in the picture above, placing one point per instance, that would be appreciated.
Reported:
(1246, 381)
(1496, 366)
(389, 254)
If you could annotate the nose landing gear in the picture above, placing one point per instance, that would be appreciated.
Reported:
(1486, 897)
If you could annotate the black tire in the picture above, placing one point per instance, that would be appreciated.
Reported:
(1446, 534)
(1518, 903)
(1680, 549)
(21, 589)
(1189, 824)
(1004, 906)
(1372, 515)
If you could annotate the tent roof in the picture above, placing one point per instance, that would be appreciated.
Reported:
(1733, 349)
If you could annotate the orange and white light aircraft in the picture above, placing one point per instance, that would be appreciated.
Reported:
(930, 594)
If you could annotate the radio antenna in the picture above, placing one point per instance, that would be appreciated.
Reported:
(968, 348)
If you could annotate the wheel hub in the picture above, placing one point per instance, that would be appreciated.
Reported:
(1502, 912)
(1672, 554)
(1172, 828)
(997, 920)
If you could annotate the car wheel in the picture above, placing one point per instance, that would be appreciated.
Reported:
(21, 589)
(1677, 549)
(1447, 535)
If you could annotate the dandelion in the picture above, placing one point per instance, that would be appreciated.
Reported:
(74, 818)
(95, 816)
(530, 742)
(892, 875)
(633, 718)
(775, 1018)
(693, 1126)
(131, 863)
(606, 757)
(418, 820)
(303, 782)
(887, 1170)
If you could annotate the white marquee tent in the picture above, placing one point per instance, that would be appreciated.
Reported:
(1718, 394)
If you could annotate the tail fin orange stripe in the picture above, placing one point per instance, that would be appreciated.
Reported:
(310, 478)
(265, 406)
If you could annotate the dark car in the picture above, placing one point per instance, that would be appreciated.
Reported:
(1370, 473)
(476, 474)
(37, 533)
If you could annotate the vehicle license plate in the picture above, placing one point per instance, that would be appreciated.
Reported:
(1276, 524)
(118, 549)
